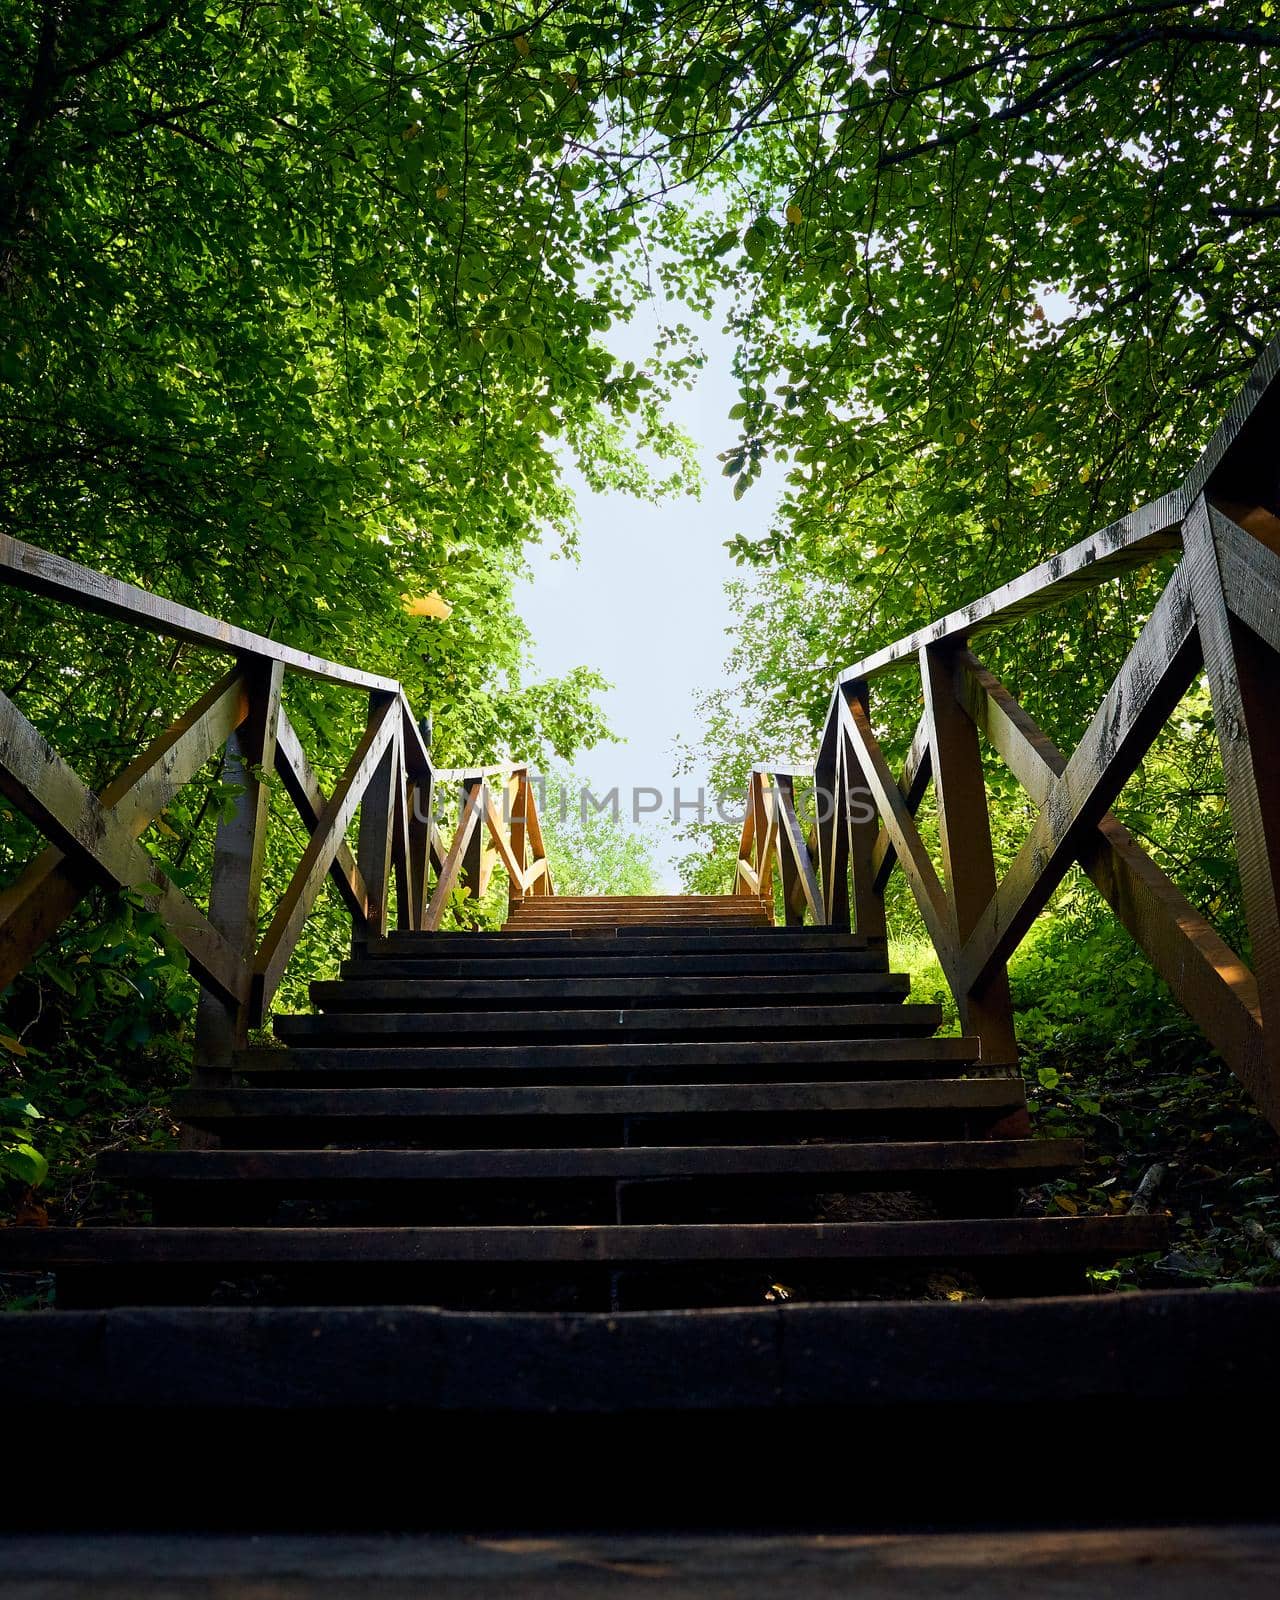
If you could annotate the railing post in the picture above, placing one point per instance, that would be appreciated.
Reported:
(964, 828)
(473, 856)
(860, 820)
(238, 854)
(377, 826)
(833, 835)
(793, 913)
(518, 799)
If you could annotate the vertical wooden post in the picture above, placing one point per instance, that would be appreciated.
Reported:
(238, 853)
(377, 824)
(833, 834)
(862, 825)
(400, 862)
(763, 839)
(964, 827)
(1243, 673)
(419, 849)
(793, 914)
(473, 858)
(518, 795)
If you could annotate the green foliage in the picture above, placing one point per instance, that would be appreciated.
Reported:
(592, 848)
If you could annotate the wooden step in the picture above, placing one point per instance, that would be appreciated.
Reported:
(508, 944)
(595, 964)
(743, 1022)
(611, 928)
(880, 1163)
(952, 1240)
(444, 994)
(603, 1100)
(600, 1063)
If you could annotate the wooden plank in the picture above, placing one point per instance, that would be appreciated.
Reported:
(35, 905)
(1141, 1356)
(412, 994)
(508, 944)
(401, 866)
(303, 788)
(239, 855)
(504, 846)
(451, 866)
(1145, 691)
(376, 834)
(1205, 975)
(594, 964)
(1243, 673)
(1135, 540)
(417, 758)
(964, 829)
(833, 832)
(45, 789)
(954, 1239)
(311, 871)
(860, 821)
(25, 566)
(1250, 578)
(1243, 445)
(879, 1056)
(538, 876)
(519, 846)
(917, 775)
(918, 868)
(795, 1021)
(808, 892)
(882, 1159)
(606, 1100)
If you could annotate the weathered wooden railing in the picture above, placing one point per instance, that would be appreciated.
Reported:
(388, 781)
(1220, 609)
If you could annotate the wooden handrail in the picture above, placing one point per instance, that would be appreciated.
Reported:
(1220, 610)
(389, 783)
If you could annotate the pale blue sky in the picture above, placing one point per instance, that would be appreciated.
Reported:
(645, 602)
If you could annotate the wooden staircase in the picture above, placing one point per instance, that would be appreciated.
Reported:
(611, 1103)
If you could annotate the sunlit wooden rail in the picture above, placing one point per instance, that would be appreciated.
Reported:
(1220, 610)
(389, 790)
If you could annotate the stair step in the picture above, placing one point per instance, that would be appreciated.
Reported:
(510, 944)
(593, 964)
(968, 1239)
(608, 1100)
(441, 994)
(833, 1058)
(747, 1022)
(1027, 1159)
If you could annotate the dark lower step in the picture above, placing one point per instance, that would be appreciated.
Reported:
(604, 1063)
(443, 994)
(508, 944)
(973, 1239)
(1161, 1347)
(608, 1100)
(1030, 1160)
(626, 964)
(685, 1022)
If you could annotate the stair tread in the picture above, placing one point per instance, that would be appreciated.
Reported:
(510, 942)
(628, 964)
(436, 992)
(963, 1239)
(743, 1020)
(665, 1054)
(383, 1165)
(604, 1099)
